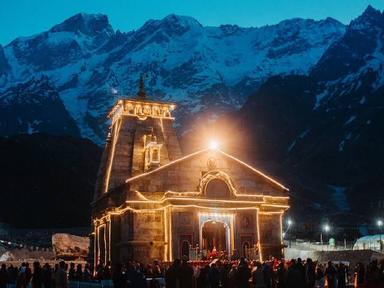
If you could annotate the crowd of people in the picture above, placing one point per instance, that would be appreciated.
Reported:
(184, 274)
(44, 276)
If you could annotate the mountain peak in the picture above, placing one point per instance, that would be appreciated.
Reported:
(172, 24)
(181, 20)
(89, 24)
(370, 10)
(370, 17)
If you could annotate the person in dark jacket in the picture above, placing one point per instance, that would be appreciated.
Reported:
(281, 275)
(3, 276)
(37, 276)
(186, 274)
(310, 273)
(118, 278)
(295, 275)
(244, 273)
(47, 276)
(341, 276)
(214, 276)
(172, 275)
(330, 274)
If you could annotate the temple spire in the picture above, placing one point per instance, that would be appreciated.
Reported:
(141, 93)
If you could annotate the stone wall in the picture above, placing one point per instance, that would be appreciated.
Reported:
(270, 235)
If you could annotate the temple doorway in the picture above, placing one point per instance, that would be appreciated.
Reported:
(214, 236)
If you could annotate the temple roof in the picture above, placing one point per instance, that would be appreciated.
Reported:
(172, 164)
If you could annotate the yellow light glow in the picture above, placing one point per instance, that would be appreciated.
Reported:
(213, 144)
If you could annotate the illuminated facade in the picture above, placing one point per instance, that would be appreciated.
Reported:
(151, 202)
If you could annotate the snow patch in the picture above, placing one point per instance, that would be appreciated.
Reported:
(301, 136)
(352, 118)
(342, 143)
(320, 97)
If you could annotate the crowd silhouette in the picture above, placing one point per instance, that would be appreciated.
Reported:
(184, 274)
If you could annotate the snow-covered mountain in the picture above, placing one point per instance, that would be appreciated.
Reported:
(323, 132)
(34, 106)
(199, 67)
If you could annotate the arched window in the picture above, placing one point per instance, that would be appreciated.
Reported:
(217, 189)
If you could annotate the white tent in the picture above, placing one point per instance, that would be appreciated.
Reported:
(371, 242)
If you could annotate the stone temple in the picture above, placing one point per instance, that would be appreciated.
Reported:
(152, 202)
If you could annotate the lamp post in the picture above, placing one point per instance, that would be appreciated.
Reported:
(380, 225)
(289, 224)
(326, 228)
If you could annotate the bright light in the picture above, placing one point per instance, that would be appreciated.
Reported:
(326, 228)
(380, 223)
(213, 144)
(289, 222)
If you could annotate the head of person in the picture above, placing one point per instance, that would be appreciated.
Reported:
(62, 265)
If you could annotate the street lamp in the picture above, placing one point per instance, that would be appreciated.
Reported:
(326, 228)
(289, 224)
(380, 225)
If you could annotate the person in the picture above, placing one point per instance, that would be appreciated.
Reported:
(258, 275)
(12, 274)
(21, 280)
(281, 275)
(360, 274)
(373, 274)
(330, 275)
(295, 274)
(72, 272)
(186, 274)
(202, 280)
(320, 281)
(310, 273)
(79, 273)
(28, 273)
(87, 274)
(214, 276)
(341, 276)
(47, 276)
(118, 278)
(3, 276)
(268, 274)
(60, 276)
(233, 277)
(37, 276)
(244, 273)
(172, 275)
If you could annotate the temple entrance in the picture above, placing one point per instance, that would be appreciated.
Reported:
(214, 237)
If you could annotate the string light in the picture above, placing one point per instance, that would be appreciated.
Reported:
(202, 151)
(169, 201)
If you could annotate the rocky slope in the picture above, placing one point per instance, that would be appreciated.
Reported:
(324, 132)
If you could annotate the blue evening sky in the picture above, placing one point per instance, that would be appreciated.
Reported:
(27, 17)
